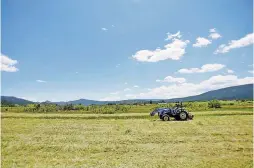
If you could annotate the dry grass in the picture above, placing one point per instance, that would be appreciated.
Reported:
(207, 141)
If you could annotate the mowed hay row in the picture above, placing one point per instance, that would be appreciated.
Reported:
(211, 141)
(114, 116)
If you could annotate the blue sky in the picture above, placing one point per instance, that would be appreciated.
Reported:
(110, 50)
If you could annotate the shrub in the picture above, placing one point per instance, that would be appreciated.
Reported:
(214, 104)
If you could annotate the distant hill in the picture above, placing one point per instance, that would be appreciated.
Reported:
(229, 93)
(83, 101)
(15, 100)
(89, 102)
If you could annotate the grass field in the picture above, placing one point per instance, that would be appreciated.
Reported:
(213, 139)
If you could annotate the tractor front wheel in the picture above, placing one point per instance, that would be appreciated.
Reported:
(165, 118)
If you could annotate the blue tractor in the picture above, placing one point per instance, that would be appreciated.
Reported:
(178, 112)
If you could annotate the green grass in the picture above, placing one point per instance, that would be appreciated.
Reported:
(213, 139)
(116, 109)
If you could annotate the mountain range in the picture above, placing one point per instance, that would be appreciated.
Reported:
(229, 93)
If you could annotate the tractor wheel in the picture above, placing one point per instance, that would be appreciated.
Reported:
(183, 115)
(165, 118)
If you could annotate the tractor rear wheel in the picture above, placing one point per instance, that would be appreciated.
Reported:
(165, 118)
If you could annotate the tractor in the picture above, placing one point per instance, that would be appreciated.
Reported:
(178, 112)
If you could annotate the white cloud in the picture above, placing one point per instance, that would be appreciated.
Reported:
(104, 29)
(252, 71)
(170, 36)
(127, 89)
(230, 71)
(189, 89)
(219, 79)
(40, 81)
(113, 25)
(171, 79)
(174, 50)
(213, 30)
(125, 83)
(8, 64)
(203, 69)
(201, 42)
(136, 86)
(118, 65)
(114, 93)
(245, 41)
(214, 34)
